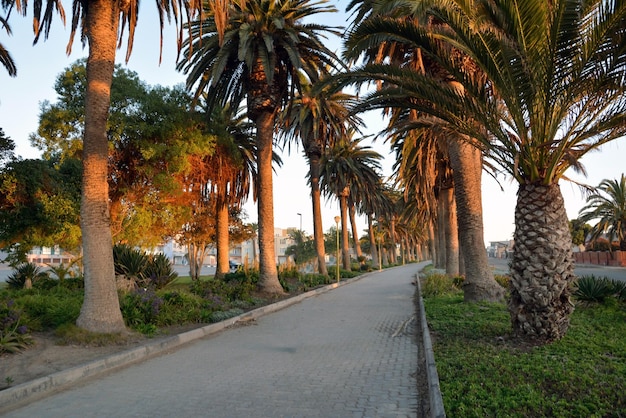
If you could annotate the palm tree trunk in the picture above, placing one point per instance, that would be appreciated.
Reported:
(100, 311)
(542, 268)
(318, 231)
(392, 234)
(355, 231)
(451, 231)
(268, 273)
(466, 163)
(373, 243)
(345, 244)
(221, 241)
(440, 227)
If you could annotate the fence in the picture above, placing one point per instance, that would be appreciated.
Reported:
(602, 258)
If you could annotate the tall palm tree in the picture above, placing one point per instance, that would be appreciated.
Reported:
(554, 91)
(5, 58)
(99, 24)
(608, 205)
(319, 121)
(264, 50)
(230, 173)
(345, 167)
(464, 191)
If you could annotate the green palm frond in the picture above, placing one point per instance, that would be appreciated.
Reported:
(608, 206)
(549, 86)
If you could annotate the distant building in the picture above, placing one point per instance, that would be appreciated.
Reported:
(500, 249)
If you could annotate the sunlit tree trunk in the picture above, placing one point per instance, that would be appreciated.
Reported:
(479, 284)
(345, 239)
(268, 272)
(318, 231)
(100, 311)
(542, 268)
(355, 231)
(373, 243)
(450, 230)
(392, 234)
(221, 238)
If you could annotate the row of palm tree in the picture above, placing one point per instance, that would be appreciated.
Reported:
(531, 85)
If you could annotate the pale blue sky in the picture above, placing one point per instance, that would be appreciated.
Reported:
(39, 65)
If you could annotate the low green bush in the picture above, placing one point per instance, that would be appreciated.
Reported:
(179, 308)
(437, 284)
(49, 309)
(313, 280)
(140, 307)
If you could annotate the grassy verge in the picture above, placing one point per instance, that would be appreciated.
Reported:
(485, 373)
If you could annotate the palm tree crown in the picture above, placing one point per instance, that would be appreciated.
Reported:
(608, 205)
(259, 54)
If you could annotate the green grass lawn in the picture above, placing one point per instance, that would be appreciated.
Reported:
(485, 373)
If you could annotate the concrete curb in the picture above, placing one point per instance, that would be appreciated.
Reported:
(39, 388)
(434, 390)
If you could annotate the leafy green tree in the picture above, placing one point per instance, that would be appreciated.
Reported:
(608, 205)
(579, 231)
(39, 205)
(551, 91)
(303, 250)
(7, 147)
(151, 132)
(258, 51)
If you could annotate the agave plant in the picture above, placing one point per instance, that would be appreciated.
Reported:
(593, 289)
(158, 271)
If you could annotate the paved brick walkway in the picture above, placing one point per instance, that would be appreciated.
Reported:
(350, 352)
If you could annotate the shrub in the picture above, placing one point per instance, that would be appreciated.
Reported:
(312, 280)
(288, 271)
(23, 273)
(50, 309)
(158, 271)
(14, 337)
(437, 284)
(503, 280)
(218, 316)
(593, 289)
(140, 307)
(179, 308)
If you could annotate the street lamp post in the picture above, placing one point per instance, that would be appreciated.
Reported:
(300, 215)
(337, 219)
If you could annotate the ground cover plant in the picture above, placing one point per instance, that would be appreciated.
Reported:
(484, 372)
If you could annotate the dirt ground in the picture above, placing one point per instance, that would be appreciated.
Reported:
(45, 356)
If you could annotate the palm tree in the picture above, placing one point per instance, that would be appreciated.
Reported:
(99, 23)
(345, 167)
(461, 195)
(319, 121)
(608, 205)
(554, 91)
(5, 58)
(264, 50)
(230, 172)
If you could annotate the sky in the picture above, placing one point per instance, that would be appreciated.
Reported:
(39, 65)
